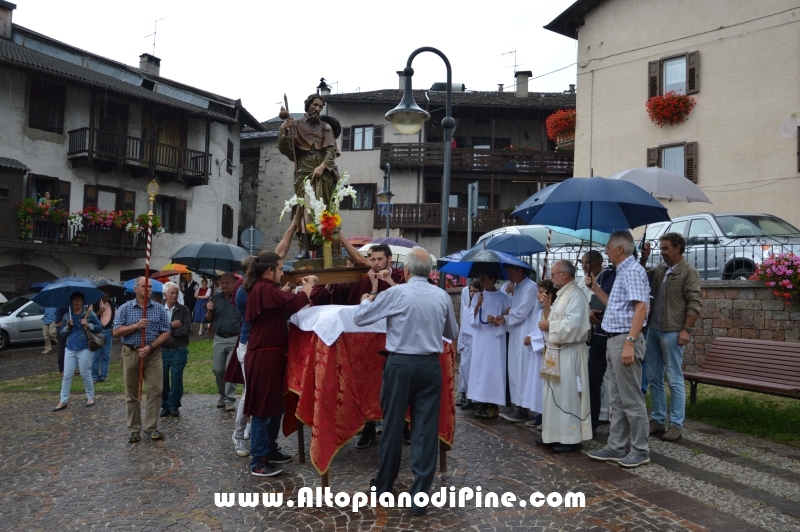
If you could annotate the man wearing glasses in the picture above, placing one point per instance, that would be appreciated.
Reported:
(625, 315)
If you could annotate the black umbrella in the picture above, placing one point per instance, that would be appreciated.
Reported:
(115, 288)
(211, 256)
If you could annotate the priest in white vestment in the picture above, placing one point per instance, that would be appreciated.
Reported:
(567, 411)
(519, 321)
(487, 369)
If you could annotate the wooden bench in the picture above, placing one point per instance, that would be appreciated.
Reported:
(754, 365)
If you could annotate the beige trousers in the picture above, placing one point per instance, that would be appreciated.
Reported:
(153, 383)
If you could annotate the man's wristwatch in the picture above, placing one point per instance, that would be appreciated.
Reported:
(630, 339)
(151, 347)
(688, 330)
(373, 293)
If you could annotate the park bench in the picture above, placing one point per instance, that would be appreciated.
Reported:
(754, 365)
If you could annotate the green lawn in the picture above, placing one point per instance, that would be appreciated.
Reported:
(197, 376)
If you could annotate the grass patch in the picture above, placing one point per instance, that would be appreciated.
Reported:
(198, 376)
(757, 414)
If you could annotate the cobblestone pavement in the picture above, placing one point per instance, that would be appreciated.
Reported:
(75, 470)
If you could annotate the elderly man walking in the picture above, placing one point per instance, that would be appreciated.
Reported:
(566, 414)
(225, 319)
(128, 325)
(676, 305)
(175, 351)
(412, 375)
(625, 315)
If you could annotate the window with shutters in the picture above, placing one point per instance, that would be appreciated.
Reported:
(108, 198)
(230, 157)
(359, 138)
(680, 74)
(58, 189)
(46, 111)
(365, 198)
(227, 221)
(677, 158)
(172, 212)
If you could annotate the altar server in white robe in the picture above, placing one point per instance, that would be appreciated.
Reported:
(487, 370)
(567, 411)
(519, 321)
(534, 344)
(464, 345)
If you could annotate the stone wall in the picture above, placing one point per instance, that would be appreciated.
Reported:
(740, 309)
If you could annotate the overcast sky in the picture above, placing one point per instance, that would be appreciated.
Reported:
(257, 50)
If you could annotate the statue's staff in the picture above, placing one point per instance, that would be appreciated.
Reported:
(299, 214)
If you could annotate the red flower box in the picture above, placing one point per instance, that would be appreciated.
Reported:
(669, 108)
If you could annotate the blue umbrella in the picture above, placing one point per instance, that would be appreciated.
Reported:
(59, 294)
(585, 203)
(156, 287)
(476, 261)
(453, 257)
(37, 287)
(513, 244)
(598, 236)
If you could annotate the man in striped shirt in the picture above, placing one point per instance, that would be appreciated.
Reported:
(625, 315)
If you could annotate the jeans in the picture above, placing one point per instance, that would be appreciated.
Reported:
(263, 437)
(83, 360)
(664, 354)
(222, 351)
(102, 357)
(173, 363)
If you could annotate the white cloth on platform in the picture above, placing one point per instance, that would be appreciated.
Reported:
(487, 370)
(464, 346)
(330, 321)
(532, 396)
(566, 417)
(519, 321)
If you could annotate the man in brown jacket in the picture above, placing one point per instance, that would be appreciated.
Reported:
(676, 304)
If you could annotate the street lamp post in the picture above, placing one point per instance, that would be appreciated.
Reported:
(385, 195)
(408, 118)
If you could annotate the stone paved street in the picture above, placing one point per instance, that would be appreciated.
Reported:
(75, 470)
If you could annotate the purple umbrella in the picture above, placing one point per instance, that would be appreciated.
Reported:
(395, 241)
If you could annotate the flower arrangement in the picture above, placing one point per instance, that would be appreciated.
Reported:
(560, 122)
(29, 207)
(325, 222)
(781, 273)
(91, 216)
(669, 108)
(140, 224)
(451, 281)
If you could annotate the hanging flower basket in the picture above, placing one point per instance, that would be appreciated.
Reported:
(561, 124)
(670, 108)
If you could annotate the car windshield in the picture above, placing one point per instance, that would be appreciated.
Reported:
(752, 225)
(11, 306)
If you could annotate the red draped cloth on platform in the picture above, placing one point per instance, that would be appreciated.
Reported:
(335, 389)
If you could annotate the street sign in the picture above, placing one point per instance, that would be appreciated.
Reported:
(382, 208)
(251, 238)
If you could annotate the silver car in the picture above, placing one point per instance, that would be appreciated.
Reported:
(20, 321)
(727, 245)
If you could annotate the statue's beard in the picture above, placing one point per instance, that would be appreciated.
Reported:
(313, 114)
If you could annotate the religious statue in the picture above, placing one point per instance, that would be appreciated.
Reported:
(310, 142)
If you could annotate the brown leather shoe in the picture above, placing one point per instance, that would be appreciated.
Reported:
(673, 433)
(656, 429)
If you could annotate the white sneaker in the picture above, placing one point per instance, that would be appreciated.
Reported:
(240, 447)
(247, 431)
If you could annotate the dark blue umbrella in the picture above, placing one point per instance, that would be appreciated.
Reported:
(156, 287)
(477, 261)
(513, 244)
(453, 257)
(37, 287)
(59, 294)
(584, 203)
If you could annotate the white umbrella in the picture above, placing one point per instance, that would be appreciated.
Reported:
(663, 184)
(398, 252)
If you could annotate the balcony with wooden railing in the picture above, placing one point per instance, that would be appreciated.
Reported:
(429, 216)
(142, 156)
(471, 160)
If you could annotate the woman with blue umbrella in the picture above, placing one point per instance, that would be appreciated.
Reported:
(77, 321)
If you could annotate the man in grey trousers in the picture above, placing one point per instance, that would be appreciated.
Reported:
(222, 314)
(418, 315)
(624, 317)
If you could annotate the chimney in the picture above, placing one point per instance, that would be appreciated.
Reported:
(522, 83)
(571, 88)
(402, 85)
(6, 13)
(499, 87)
(150, 64)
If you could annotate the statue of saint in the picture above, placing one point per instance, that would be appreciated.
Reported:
(310, 142)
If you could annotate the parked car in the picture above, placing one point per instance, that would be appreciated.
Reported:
(20, 321)
(561, 247)
(726, 245)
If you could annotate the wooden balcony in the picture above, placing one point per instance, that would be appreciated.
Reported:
(429, 216)
(142, 157)
(470, 160)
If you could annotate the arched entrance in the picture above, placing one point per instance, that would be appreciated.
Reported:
(16, 279)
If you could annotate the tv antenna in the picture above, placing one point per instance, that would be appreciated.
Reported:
(155, 32)
(515, 65)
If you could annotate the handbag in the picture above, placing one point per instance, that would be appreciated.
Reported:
(96, 341)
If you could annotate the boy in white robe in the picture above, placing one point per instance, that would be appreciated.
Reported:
(464, 345)
(487, 371)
